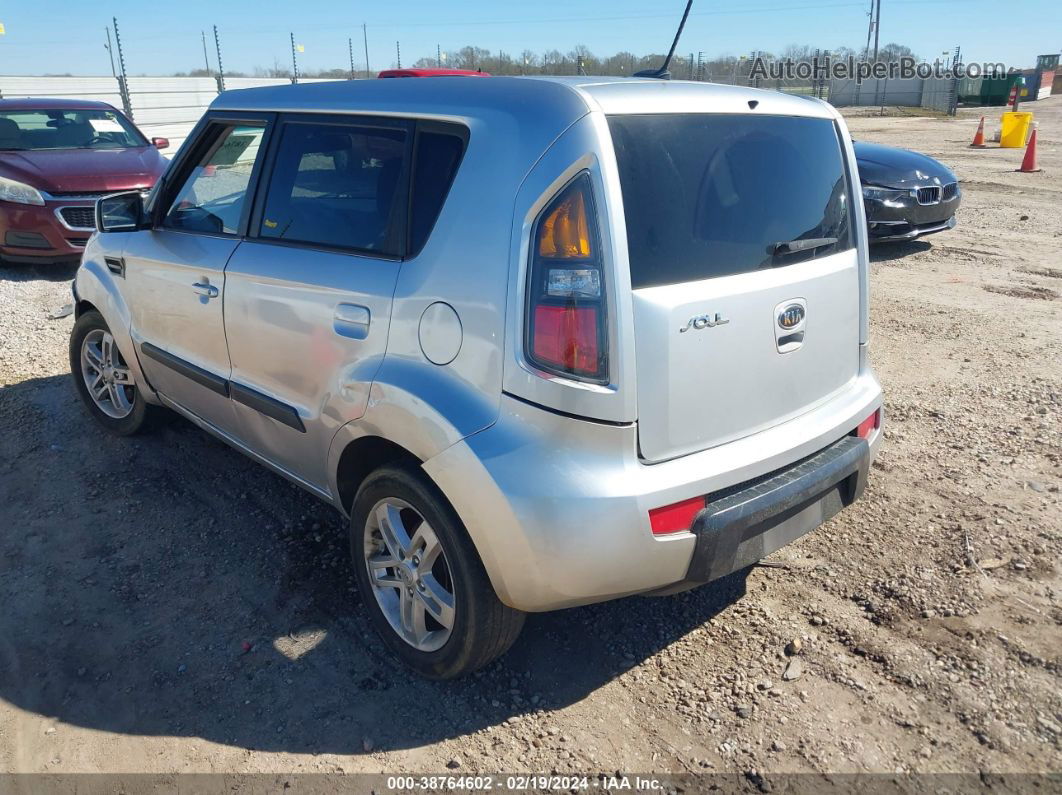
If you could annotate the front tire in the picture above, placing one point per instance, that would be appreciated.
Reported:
(421, 580)
(104, 380)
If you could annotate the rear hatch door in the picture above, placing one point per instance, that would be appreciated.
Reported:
(744, 272)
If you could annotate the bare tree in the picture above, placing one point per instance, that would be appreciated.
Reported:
(723, 68)
(894, 52)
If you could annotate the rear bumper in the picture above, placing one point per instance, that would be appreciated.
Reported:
(736, 530)
(31, 233)
(558, 508)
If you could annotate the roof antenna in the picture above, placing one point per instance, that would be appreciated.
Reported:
(662, 73)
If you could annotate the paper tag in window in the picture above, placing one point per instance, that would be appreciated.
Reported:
(105, 125)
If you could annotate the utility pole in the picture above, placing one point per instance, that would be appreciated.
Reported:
(877, 30)
(123, 82)
(438, 56)
(398, 54)
(365, 38)
(350, 48)
(294, 62)
(110, 52)
(221, 69)
(870, 29)
(206, 60)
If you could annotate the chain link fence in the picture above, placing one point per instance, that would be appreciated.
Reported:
(933, 93)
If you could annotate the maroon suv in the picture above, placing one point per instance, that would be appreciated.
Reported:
(57, 156)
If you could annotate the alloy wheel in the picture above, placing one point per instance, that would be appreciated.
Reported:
(409, 574)
(107, 377)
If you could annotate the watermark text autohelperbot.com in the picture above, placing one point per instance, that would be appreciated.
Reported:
(850, 68)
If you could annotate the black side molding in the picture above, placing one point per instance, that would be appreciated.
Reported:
(281, 412)
(252, 398)
(214, 383)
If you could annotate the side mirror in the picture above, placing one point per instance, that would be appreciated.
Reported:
(120, 212)
(160, 143)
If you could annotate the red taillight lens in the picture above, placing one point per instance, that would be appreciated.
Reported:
(675, 518)
(869, 425)
(566, 338)
(566, 329)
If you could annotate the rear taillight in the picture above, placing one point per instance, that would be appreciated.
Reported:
(675, 518)
(869, 425)
(566, 324)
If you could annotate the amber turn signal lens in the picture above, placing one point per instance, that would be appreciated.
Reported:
(565, 232)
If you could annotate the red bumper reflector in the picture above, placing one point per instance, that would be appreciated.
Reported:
(675, 518)
(870, 424)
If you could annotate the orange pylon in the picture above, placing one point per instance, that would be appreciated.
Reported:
(979, 136)
(1028, 163)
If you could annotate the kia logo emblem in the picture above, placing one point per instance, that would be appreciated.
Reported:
(791, 317)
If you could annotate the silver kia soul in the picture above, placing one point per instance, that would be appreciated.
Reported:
(546, 342)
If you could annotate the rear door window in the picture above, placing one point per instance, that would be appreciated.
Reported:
(709, 195)
(338, 185)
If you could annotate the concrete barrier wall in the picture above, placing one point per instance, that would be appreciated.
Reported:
(169, 107)
(163, 107)
(914, 92)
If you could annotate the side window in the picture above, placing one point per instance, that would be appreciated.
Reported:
(435, 160)
(211, 200)
(338, 185)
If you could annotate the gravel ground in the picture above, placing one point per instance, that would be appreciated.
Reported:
(168, 606)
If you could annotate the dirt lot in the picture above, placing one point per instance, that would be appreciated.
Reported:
(168, 606)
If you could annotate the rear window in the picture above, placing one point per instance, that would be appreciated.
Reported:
(709, 195)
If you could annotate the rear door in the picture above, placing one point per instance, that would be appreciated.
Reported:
(308, 294)
(175, 272)
(744, 271)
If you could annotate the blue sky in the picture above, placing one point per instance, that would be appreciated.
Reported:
(48, 36)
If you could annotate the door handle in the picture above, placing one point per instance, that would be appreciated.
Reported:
(351, 320)
(206, 288)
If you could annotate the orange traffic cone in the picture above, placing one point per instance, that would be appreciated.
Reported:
(1028, 164)
(979, 136)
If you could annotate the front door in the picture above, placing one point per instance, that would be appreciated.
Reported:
(175, 271)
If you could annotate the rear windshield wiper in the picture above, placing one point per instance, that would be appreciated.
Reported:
(793, 246)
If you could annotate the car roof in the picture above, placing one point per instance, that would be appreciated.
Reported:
(620, 95)
(52, 103)
(522, 97)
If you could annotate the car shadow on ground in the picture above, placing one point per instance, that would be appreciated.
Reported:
(166, 585)
(45, 271)
(889, 252)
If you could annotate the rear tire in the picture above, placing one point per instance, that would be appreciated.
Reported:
(104, 380)
(421, 580)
